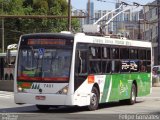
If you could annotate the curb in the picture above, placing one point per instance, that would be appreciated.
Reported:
(156, 85)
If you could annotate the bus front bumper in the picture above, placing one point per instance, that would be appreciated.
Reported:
(43, 99)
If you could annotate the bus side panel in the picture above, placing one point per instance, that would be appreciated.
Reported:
(116, 87)
(126, 81)
(111, 88)
(143, 83)
(106, 89)
(82, 94)
(124, 87)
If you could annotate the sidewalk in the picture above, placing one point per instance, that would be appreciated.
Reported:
(6, 93)
(155, 92)
(154, 96)
(156, 81)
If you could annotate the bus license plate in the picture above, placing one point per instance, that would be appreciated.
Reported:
(40, 97)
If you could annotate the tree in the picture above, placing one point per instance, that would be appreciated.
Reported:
(15, 27)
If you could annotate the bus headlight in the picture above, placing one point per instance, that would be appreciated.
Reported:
(20, 89)
(63, 90)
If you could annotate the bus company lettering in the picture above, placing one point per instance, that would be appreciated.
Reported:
(96, 40)
(119, 42)
(122, 42)
(128, 43)
(108, 41)
(48, 85)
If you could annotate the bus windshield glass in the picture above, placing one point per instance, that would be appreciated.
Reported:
(44, 64)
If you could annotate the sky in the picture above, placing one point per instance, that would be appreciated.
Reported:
(108, 5)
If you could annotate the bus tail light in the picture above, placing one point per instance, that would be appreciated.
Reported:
(63, 90)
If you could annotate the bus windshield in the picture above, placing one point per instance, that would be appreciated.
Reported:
(44, 64)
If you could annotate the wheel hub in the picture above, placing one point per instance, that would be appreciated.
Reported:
(93, 99)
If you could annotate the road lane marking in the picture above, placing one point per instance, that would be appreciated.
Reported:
(6, 95)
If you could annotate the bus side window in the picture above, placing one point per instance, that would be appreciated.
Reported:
(106, 66)
(142, 65)
(115, 53)
(82, 62)
(148, 66)
(124, 53)
(133, 54)
(95, 52)
(142, 54)
(106, 53)
(148, 55)
(94, 67)
(115, 66)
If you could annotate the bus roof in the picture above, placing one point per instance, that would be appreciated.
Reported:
(81, 37)
(111, 41)
(49, 35)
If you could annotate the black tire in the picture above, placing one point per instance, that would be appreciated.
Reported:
(133, 95)
(43, 107)
(94, 100)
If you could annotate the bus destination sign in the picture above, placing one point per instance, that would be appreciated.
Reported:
(47, 41)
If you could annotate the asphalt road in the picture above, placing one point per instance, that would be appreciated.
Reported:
(148, 106)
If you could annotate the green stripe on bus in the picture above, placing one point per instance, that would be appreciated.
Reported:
(106, 88)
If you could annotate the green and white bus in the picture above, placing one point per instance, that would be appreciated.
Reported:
(58, 69)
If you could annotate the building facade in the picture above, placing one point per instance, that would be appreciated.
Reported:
(151, 29)
(90, 9)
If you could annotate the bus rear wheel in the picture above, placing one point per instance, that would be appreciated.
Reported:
(43, 107)
(133, 94)
(94, 99)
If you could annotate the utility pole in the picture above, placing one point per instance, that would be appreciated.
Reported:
(158, 40)
(2, 31)
(139, 29)
(69, 15)
(3, 35)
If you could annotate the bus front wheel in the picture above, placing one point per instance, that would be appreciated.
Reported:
(94, 99)
(132, 99)
(43, 107)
